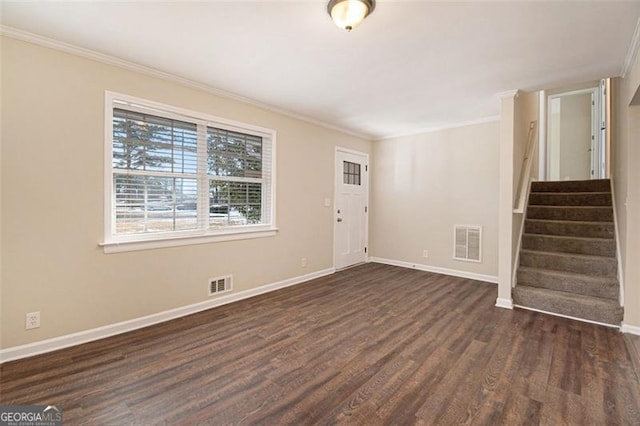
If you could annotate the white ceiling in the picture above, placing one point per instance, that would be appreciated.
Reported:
(411, 66)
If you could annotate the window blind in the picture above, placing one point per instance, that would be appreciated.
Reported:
(182, 175)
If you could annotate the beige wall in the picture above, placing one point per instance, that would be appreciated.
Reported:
(52, 201)
(525, 111)
(619, 167)
(1, 274)
(517, 111)
(626, 175)
(425, 184)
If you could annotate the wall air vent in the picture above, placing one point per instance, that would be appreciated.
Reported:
(467, 243)
(220, 285)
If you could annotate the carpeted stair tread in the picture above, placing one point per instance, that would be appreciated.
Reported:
(570, 262)
(569, 244)
(571, 213)
(593, 185)
(605, 311)
(574, 237)
(569, 228)
(570, 199)
(572, 255)
(586, 285)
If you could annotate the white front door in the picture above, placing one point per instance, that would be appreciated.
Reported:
(351, 208)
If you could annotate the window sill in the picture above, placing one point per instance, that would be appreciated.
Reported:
(120, 246)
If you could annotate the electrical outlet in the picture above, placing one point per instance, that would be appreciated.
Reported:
(425, 253)
(32, 320)
(303, 262)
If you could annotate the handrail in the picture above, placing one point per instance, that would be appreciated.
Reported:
(525, 172)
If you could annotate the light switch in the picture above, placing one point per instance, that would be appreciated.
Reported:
(327, 202)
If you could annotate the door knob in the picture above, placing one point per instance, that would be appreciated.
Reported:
(339, 219)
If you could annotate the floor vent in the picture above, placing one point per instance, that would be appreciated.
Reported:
(220, 285)
(467, 243)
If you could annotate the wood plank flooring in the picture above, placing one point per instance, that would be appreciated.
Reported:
(371, 345)
(633, 345)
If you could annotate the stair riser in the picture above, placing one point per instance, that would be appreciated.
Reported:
(598, 267)
(609, 315)
(567, 261)
(552, 199)
(605, 248)
(601, 230)
(591, 214)
(602, 185)
(604, 288)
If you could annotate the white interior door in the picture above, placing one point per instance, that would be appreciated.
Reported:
(351, 208)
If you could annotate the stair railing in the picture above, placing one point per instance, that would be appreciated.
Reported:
(525, 171)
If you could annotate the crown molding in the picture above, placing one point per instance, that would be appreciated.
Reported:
(93, 55)
(509, 94)
(439, 128)
(632, 53)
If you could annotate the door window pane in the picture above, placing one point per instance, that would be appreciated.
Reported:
(351, 173)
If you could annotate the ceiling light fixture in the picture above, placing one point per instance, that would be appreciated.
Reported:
(348, 14)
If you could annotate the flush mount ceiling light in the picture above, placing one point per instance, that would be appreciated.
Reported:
(348, 14)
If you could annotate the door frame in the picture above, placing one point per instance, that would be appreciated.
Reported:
(334, 216)
(599, 147)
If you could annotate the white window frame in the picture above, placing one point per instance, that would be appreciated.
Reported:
(113, 243)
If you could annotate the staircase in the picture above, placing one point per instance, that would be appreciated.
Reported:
(568, 262)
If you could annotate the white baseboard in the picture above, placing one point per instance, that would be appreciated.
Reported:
(85, 336)
(445, 271)
(567, 316)
(504, 303)
(631, 329)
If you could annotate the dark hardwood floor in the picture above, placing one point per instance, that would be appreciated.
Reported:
(370, 345)
(633, 345)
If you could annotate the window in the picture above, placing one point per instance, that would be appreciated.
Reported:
(351, 173)
(182, 177)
